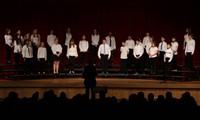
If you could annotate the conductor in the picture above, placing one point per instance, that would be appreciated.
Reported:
(89, 75)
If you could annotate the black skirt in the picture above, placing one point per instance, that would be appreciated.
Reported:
(56, 58)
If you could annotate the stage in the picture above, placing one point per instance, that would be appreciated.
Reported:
(119, 87)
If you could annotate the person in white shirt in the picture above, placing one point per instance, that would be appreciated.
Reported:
(83, 47)
(9, 45)
(149, 44)
(110, 40)
(189, 52)
(17, 50)
(27, 54)
(57, 51)
(174, 45)
(146, 39)
(104, 54)
(123, 57)
(186, 36)
(146, 58)
(138, 53)
(130, 43)
(42, 57)
(95, 37)
(20, 36)
(168, 59)
(35, 39)
(50, 41)
(153, 53)
(27, 36)
(161, 51)
(68, 37)
(72, 53)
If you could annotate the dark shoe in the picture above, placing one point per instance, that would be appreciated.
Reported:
(55, 75)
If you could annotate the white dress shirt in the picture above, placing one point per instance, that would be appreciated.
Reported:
(8, 40)
(50, 39)
(22, 40)
(17, 48)
(27, 51)
(95, 39)
(186, 37)
(83, 45)
(138, 51)
(42, 53)
(190, 46)
(146, 40)
(124, 52)
(113, 42)
(162, 46)
(56, 48)
(153, 51)
(175, 47)
(168, 54)
(68, 38)
(35, 39)
(130, 43)
(148, 46)
(104, 49)
(72, 51)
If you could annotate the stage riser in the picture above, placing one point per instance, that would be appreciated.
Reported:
(117, 92)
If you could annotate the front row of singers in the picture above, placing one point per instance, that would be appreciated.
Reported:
(104, 54)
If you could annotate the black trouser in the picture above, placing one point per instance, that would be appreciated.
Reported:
(41, 65)
(35, 50)
(28, 66)
(161, 59)
(104, 63)
(153, 65)
(188, 60)
(146, 60)
(49, 55)
(174, 62)
(65, 47)
(82, 59)
(17, 61)
(93, 54)
(111, 58)
(8, 53)
(17, 58)
(139, 65)
(167, 68)
(123, 63)
(71, 63)
(130, 58)
(88, 90)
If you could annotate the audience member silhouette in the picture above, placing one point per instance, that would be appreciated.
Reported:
(51, 104)
(89, 75)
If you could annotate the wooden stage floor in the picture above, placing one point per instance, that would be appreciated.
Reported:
(119, 87)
